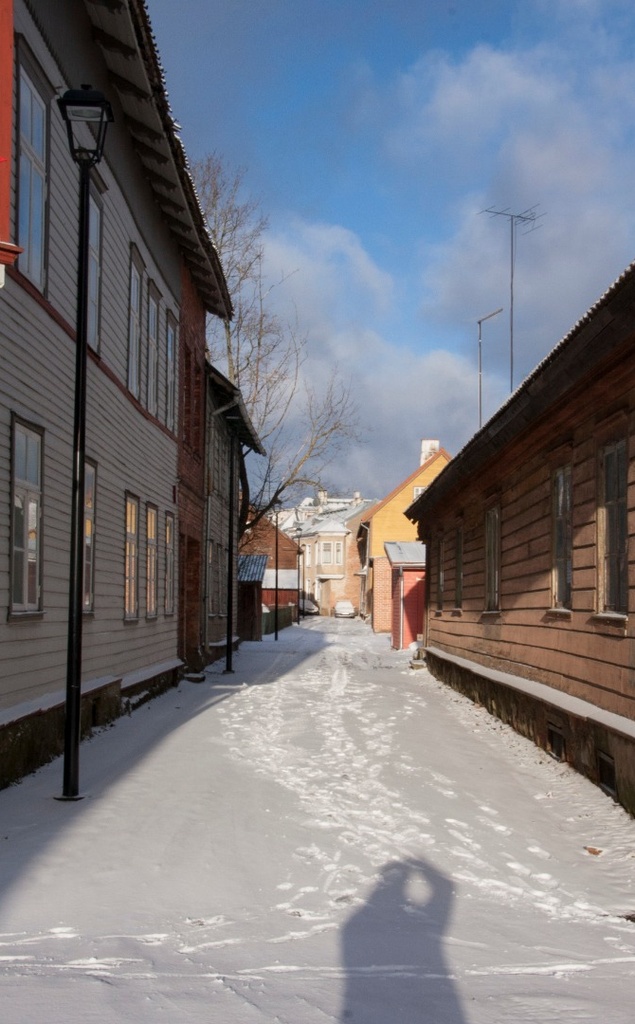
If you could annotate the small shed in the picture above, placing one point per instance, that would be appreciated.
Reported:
(408, 575)
(251, 571)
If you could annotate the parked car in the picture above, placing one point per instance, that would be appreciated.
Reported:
(307, 607)
(344, 610)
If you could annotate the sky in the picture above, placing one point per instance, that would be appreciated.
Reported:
(297, 842)
(376, 135)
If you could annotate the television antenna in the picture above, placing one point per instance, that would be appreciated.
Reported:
(528, 219)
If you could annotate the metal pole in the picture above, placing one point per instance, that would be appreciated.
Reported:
(230, 556)
(479, 322)
(275, 613)
(72, 727)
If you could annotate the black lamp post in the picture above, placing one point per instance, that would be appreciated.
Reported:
(79, 108)
(298, 534)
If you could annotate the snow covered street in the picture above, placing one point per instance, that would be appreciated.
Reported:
(323, 836)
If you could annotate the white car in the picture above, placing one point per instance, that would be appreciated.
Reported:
(308, 607)
(344, 610)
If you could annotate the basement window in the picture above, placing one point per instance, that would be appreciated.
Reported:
(606, 774)
(556, 744)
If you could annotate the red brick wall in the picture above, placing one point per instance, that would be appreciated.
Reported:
(382, 595)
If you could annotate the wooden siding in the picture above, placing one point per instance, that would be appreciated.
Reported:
(132, 450)
(581, 651)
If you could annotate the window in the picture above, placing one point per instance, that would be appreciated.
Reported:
(134, 329)
(327, 552)
(169, 563)
(492, 559)
(458, 562)
(170, 354)
(89, 537)
(338, 552)
(32, 156)
(131, 596)
(26, 538)
(417, 492)
(307, 555)
(615, 533)
(562, 537)
(153, 353)
(211, 609)
(94, 271)
(220, 578)
(151, 561)
(440, 573)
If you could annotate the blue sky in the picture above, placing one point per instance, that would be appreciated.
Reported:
(374, 134)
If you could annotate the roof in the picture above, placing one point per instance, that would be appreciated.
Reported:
(411, 552)
(335, 520)
(441, 453)
(607, 325)
(251, 568)
(234, 411)
(287, 579)
(122, 31)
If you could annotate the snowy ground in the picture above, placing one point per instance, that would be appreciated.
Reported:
(323, 836)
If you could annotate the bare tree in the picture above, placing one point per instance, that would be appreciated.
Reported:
(301, 428)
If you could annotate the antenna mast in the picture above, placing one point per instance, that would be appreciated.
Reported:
(526, 217)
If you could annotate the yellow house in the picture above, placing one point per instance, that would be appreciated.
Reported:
(386, 522)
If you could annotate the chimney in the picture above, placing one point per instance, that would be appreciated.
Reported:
(428, 449)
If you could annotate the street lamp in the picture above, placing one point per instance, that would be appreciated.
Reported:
(480, 361)
(298, 534)
(79, 108)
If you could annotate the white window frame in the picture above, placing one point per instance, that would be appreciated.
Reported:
(152, 561)
(26, 519)
(94, 271)
(152, 389)
(134, 327)
(168, 604)
(170, 370)
(131, 571)
(90, 499)
(339, 548)
(32, 179)
(326, 557)
(307, 555)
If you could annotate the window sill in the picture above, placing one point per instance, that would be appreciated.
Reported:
(558, 613)
(615, 620)
(34, 616)
(495, 613)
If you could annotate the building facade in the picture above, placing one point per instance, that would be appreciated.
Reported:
(150, 259)
(386, 522)
(530, 539)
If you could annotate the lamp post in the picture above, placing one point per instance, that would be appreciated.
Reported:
(275, 611)
(298, 534)
(480, 363)
(80, 109)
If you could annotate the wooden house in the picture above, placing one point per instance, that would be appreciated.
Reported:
(386, 521)
(531, 552)
(154, 275)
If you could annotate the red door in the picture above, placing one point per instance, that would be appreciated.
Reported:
(413, 605)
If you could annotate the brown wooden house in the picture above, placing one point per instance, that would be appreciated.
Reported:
(531, 552)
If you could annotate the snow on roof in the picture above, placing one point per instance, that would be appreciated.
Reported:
(287, 579)
(251, 568)
(401, 552)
